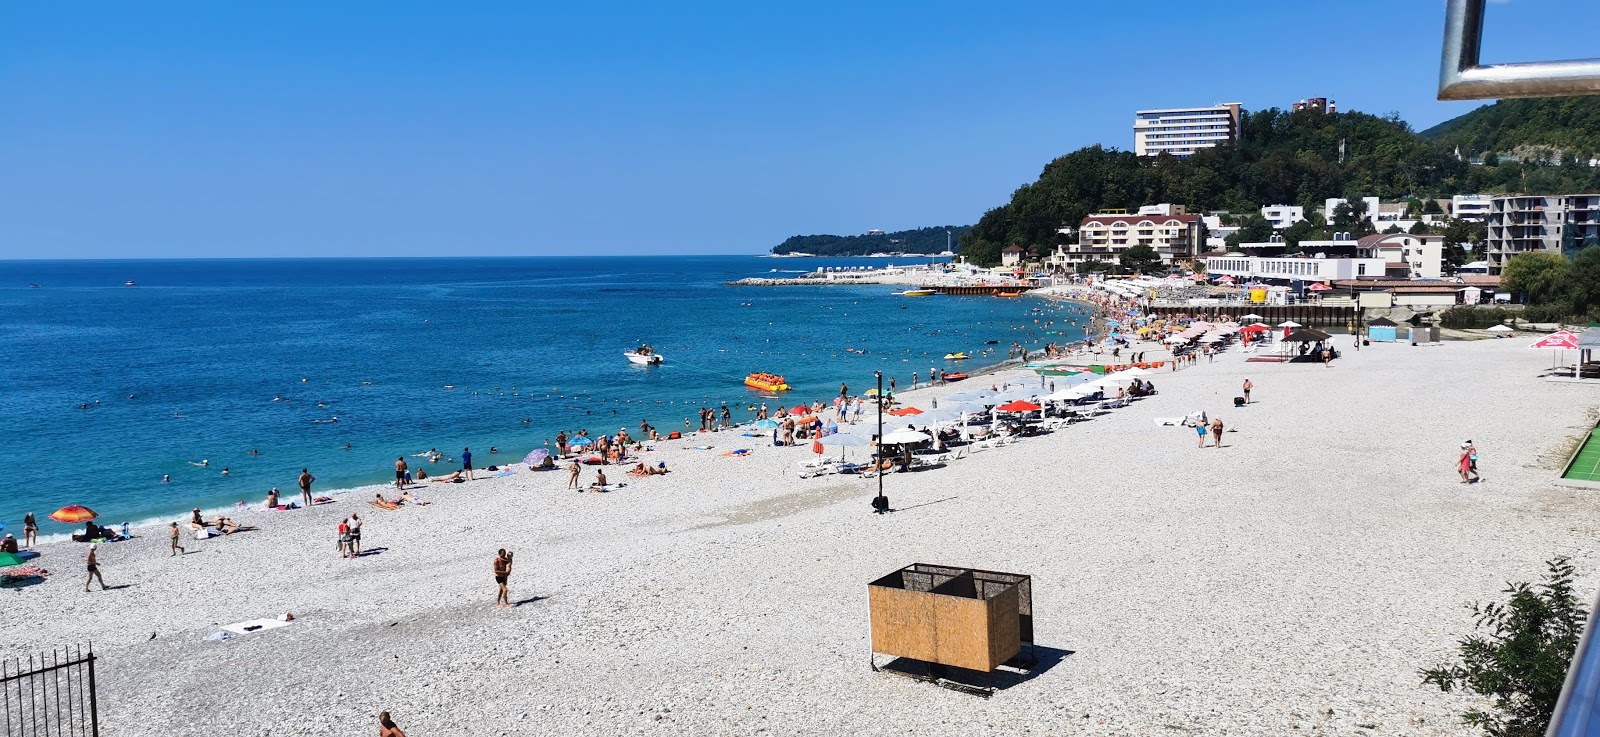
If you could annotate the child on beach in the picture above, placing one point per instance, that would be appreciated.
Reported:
(176, 548)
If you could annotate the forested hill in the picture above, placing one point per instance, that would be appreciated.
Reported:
(1567, 126)
(1282, 157)
(921, 240)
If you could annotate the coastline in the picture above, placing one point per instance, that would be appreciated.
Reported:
(725, 595)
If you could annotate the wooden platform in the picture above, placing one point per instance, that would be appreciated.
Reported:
(980, 290)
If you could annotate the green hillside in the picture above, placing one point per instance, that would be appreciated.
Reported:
(1281, 157)
(1567, 126)
(921, 240)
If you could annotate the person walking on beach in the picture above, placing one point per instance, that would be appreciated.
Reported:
(30, 531)
(343, 533)
(305, 485)
(572, 474)
(466, 462)
(176, 548)
(1247, 387)
(1200, 429)
(1464, 463)
(355, 535)
(400, 473)
(386, 726)
(502, 574)
(1216, 433)
(1472, 460)
(914, 377)
(94, 569)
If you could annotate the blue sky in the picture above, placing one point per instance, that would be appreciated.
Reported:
(206, 129)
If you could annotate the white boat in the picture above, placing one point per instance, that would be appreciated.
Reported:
(643, 359)
(917, 293)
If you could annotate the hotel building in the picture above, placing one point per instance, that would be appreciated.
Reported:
(1181, 131)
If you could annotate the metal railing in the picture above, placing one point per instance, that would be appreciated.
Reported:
(50, 694)
(1463, 76)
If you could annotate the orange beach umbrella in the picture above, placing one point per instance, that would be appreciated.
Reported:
(905, 411)
(73, 514)
(1018, 406)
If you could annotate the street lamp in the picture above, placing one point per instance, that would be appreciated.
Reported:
(880, 504)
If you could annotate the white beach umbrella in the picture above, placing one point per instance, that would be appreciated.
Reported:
(899, 437)
(941, 416)
(1253, 317)
(1135, 371)
(1289, 324)
(843, 440)
(1500, 329)
(1211, 339)
(970, 396)
(1177, 339)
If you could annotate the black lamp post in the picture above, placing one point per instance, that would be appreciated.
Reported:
(880, 504)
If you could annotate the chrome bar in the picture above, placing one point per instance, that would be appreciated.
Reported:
(1462, 76)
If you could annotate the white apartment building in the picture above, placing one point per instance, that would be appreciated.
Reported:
(1473, 207)
(1283, 216)
(1104, 236)
(1182, 131)
(1407, 256)
(1292, 268)
(1524, 223)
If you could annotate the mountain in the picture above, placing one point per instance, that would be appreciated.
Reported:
(921, 240)
(1560, 125)
(1281, 157)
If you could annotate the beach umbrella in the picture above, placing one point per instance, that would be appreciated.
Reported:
(1211, 339)
(843, 440)
(970, 396)
(1500, 329)
(581, 441)
(941, 416)
(902, 437)
(1177, 339)
(764, 424)
(73, 514)
(1289, 324)
(1135, 371)
(536, 457)
(800, 410)
(1251, 316)
(1018, 406)
(1319, 287)
(905, 412)
(8, 560)
(1561, 339)
(967, 408)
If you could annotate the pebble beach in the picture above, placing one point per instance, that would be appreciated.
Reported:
(1294, 580)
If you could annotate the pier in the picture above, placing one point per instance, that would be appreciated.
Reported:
(979, 289)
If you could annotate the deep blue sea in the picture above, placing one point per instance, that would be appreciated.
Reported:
(186, 365)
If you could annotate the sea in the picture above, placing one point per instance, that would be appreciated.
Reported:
(243, 365)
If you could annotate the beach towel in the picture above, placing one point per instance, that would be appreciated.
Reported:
(230, 631)
(607, 487)
(736, 453)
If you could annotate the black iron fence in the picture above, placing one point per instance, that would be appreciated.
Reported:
(50, 694)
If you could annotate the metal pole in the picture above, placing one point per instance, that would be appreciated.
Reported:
(94, 709)
(880, 504)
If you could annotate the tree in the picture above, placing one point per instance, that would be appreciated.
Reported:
(1091, 267)
(1431, 206)
(1541, 277)
(1252, 229)
(1420, 228)
(1391, 230)
(1140, 259)
(1522, 662)
(1586, 280)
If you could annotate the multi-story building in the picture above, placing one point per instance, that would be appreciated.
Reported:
(1104, 236)
(1315, 104)
(1407, 256)
(1182, 131)
(1473, 207)
(1283, 216)
(1524, 223)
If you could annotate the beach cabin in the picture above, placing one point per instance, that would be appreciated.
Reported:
(1011, 256)
(1382, 330)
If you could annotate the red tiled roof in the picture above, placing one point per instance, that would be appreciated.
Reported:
(1011, 249)
(1133, 219)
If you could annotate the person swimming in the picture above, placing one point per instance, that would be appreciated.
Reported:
(202, 464)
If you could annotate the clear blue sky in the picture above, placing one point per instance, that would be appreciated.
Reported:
(233, 129)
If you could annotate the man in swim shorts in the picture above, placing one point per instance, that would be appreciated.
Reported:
(305, 485)
(94, 570)
(466, 462)
(400, 473)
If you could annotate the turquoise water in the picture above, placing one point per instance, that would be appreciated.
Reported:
(186, 365)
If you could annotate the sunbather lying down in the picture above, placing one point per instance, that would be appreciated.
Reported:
(25, 572)
(405, 498)
(643, 470)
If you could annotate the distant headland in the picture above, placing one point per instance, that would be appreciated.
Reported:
(927, 241)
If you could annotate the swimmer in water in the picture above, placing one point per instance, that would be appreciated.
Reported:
(166, 478)
(202, 464)
(347, 446)
(224, 470)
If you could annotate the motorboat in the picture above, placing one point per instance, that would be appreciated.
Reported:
(956, 356)
(917, 293)
(128, 283)
(1008, 294)
(766, 382)
(644, 359)
(955, 376)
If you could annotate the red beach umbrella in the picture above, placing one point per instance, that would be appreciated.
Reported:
(73, 514)
(1018, 406)
(800, 410)
(905, 411)
(1561, 339)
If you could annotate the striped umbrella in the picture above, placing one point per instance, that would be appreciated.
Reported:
(73, 514)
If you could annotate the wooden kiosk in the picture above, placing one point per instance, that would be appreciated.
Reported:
(950, 617)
